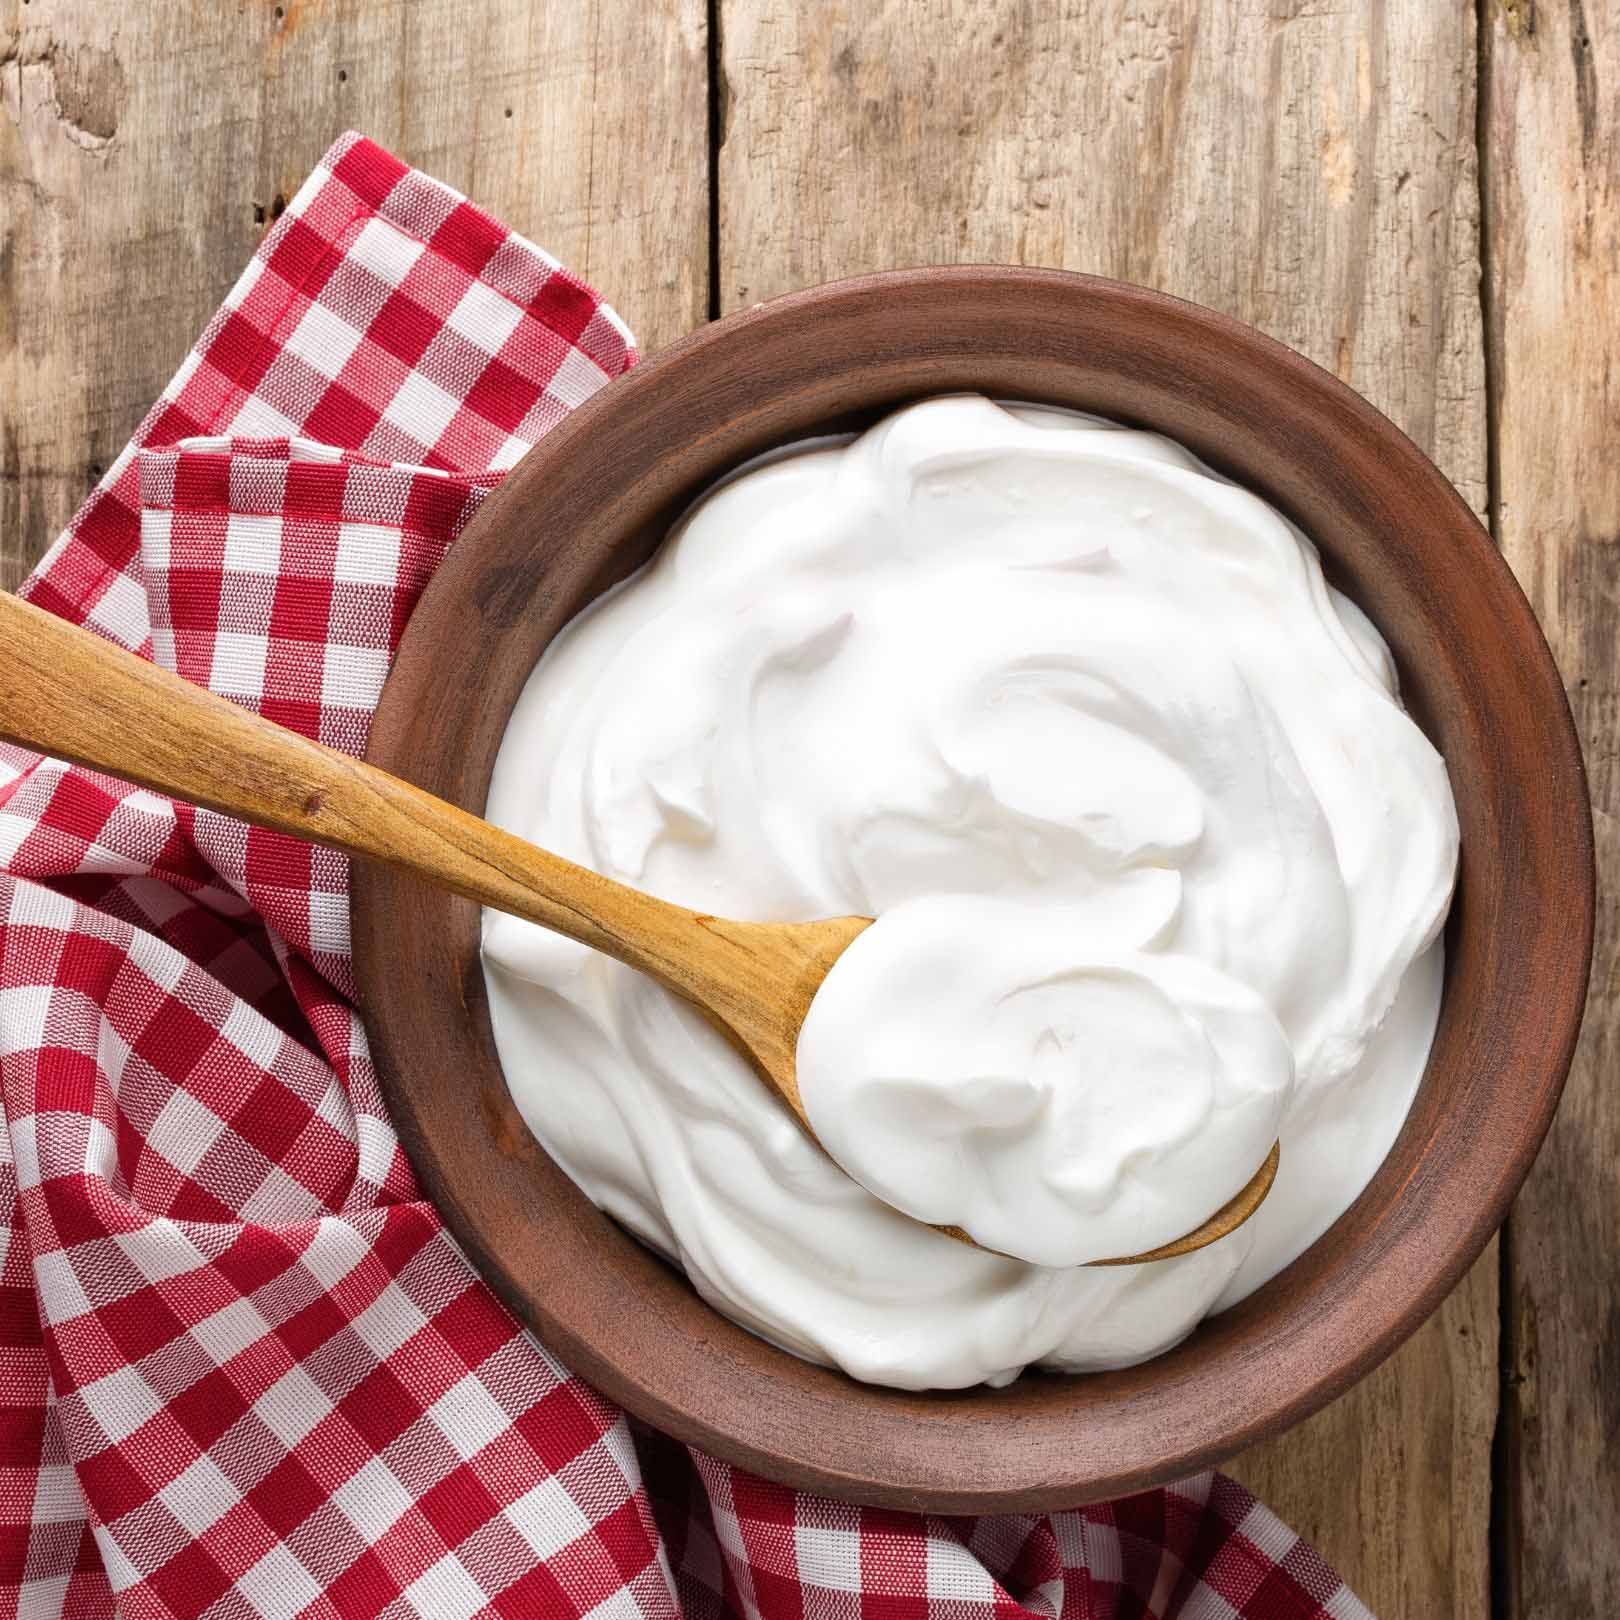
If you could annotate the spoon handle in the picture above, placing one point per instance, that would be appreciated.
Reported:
(68, 693)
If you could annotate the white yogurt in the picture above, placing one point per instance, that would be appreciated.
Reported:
(1159, 864)
(1033, 1073)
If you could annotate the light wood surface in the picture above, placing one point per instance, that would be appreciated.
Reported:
(1552, 261)
(141, 161)
(1308, 168)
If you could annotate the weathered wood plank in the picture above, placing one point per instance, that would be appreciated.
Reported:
(140, 164)
(1308, 169)
(1552, 199)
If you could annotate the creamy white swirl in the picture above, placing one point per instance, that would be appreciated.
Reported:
(1158, 861)
(1026, 1072)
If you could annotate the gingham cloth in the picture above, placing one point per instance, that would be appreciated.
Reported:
(243, 1369)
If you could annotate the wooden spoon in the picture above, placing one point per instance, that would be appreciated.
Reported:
(67, 693)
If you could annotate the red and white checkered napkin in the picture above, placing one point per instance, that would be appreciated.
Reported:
(243, 1369)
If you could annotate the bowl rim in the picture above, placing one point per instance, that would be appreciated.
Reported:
(596, 1299)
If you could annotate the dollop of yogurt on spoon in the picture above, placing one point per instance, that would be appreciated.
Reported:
(1014, 1070)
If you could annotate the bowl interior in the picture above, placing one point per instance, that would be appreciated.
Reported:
(592, 502)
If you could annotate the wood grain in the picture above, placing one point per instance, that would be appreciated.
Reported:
(141, 162)
(1310, 169)
(1552, 196)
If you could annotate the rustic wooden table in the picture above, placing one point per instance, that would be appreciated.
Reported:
(1422, 197)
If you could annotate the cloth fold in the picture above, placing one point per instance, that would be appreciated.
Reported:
(244, 1370)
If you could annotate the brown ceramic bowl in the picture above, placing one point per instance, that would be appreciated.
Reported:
(591, 503)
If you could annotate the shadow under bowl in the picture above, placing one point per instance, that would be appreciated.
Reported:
(592, 502)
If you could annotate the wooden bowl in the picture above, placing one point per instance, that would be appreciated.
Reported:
(592, 501)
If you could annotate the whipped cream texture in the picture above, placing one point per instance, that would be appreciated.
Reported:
(1158, 864)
